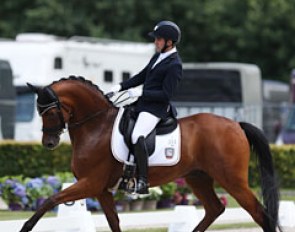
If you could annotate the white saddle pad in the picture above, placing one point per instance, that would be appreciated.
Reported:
(167, 150)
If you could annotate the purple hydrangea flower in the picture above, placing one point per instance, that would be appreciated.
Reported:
(35, 183)
(19, 190)
(54, 182)
(25, 200)
(10, 182)
(92, 204)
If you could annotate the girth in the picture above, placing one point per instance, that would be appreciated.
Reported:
(127, 124)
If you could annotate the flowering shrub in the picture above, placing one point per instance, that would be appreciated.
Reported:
(168, 190)
(29, 193)
(155, 194)
(12, 191)
(92, 204)
(38, 189)
(121, 196)
(182, 187)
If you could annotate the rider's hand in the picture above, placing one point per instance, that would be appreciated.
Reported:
(135, 92)
(115, 89)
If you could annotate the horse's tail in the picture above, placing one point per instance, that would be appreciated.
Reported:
(270, 192)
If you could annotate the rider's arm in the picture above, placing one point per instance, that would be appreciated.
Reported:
(139, 78)
(136, 80)
(169, 86)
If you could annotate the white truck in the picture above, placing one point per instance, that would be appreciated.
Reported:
(42, 58)
(233, 90)
(7, 101)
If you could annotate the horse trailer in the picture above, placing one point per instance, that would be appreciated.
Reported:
(41, 59)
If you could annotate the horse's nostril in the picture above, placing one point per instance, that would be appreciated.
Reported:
(50, 145)
(50, 142)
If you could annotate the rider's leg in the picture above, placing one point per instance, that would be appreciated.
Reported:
(141, 153)
(145, 123)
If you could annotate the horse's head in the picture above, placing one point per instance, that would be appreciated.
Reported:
(73, 101)
(50, 109)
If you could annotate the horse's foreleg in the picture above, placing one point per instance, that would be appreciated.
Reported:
(75, 192)
(202, 187)
(108, 205)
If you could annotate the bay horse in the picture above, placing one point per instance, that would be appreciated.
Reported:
(213, 148)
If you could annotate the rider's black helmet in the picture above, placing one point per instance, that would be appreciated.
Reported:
(166, 30)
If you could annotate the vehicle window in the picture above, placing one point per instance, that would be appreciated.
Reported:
(57, 63)
(25, 105)
(290, 125)
(125, 76)
(108, 76)
(210, 85)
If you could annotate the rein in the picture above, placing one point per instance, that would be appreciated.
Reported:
(82, 121)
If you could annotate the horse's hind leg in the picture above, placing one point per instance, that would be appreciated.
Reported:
(246, 198)
(202, 186)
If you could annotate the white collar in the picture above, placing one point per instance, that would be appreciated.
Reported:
(163, 56)
(166, 54)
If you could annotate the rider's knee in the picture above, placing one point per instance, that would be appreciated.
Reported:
(135, 137)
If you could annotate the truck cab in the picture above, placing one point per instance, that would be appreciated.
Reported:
(7, 101)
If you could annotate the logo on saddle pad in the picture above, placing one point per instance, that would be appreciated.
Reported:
(167, 146)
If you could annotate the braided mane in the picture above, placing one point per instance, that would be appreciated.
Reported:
(83, 81)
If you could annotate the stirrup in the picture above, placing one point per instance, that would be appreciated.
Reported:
(128, 180)
(128, 185)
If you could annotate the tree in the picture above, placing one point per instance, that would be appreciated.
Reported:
(252, 31)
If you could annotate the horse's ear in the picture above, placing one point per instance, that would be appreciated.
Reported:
(33, 88)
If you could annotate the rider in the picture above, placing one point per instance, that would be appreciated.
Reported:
(160, 79)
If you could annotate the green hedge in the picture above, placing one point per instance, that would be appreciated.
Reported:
(32, 160)
(284, 163)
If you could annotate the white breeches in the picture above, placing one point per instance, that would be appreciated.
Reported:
(145, 123)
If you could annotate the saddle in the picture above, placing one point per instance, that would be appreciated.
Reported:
(127, 124)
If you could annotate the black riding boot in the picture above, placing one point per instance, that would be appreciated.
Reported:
(141, 155)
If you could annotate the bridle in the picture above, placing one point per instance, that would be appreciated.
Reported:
(45, 107)
(55, 103)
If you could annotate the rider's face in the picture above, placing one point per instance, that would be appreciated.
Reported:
(160, 43)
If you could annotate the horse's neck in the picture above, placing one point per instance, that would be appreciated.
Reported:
(97, 124)
(90, 143)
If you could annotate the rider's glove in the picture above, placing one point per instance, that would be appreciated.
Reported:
(114, 89)
(134, 92)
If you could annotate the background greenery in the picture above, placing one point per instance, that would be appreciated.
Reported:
(253, 31)
(32, 160)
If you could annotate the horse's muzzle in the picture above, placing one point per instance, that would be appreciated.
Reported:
(50, 141)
